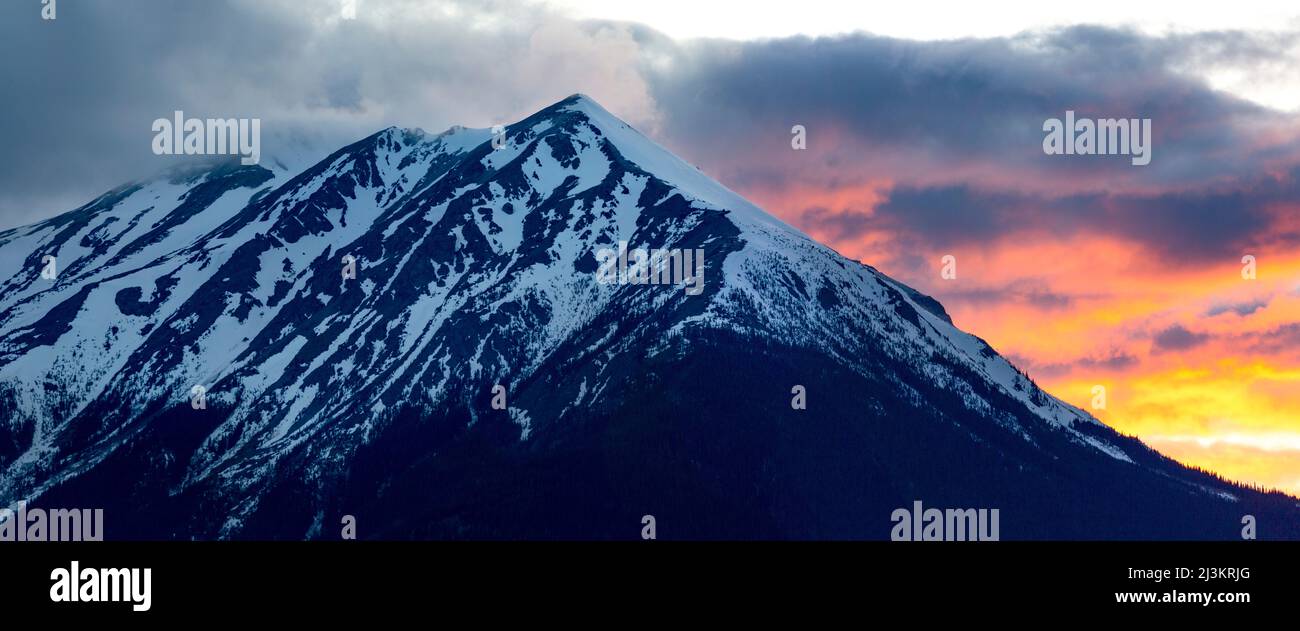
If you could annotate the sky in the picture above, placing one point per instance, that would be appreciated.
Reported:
(924, 135)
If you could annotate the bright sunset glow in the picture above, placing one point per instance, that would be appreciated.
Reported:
(1224, 397)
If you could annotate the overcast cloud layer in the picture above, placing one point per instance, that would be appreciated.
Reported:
(84, 89)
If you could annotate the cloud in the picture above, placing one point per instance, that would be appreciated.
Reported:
(1281, 339)
(1115, 360)
(1177, 338)
(836, 225)
(1265, 460)
(1036, 293)
(940, 111)
(1241, 308)
(1180, 226)
(950, 133)
(82, 91)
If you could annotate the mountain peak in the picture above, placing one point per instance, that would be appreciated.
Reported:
(346, 326)
(578, 98)
(580, 103)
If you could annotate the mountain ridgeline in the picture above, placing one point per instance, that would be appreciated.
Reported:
(199, 364)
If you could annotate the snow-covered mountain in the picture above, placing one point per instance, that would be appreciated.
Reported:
(476, 266)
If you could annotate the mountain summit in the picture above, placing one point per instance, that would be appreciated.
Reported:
(415, 331)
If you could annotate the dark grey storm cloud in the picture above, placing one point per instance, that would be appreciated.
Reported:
(1215, 222)
(937, 104)
(81, 91)
(950, 133)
